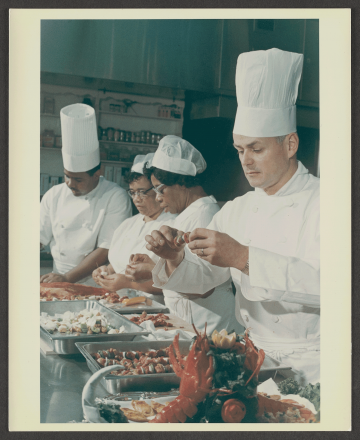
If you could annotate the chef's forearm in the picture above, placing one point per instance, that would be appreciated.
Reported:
(97, 258)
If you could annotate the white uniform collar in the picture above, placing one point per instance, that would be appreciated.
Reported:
(195, 205)
(294, 185)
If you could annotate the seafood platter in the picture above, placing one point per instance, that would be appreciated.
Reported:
(147, 364)
(63, 323)
(219, 379)
(132, 301)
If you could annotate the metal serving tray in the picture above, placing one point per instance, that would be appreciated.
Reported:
(141, 382)
(150, 306)
(270, 367)
(65, 344)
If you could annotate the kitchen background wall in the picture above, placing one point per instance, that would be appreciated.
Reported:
(190, 63)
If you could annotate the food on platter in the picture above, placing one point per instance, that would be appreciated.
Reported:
(156, 406)
(142, 407)
(134, 416)
(111, 413)
(86, 321)
(70, 292)
(159, 320)
(134, 300)
(289, 386)
(135, 362)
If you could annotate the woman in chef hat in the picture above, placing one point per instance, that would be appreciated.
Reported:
(176, 175)
(129, 237)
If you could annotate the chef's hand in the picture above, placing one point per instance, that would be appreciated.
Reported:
(112, 282)
(53, 278)
(162, 244)
(139, 268)
(218, 248)
(97, 273)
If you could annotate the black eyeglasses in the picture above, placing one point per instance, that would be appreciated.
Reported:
(142, 194)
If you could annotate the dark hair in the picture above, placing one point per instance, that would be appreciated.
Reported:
(131, 176)
(169, 179)
(93, 170)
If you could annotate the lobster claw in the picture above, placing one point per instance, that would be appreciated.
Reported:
(91, 412)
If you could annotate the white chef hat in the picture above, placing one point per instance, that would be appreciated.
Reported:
(266, 89)
(139, 162)
(178, 156)
(80, 145)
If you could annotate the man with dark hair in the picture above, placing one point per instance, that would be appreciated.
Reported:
(78, 218)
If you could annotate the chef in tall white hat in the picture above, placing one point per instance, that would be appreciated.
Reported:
(129, 237)
(267, 239)
(78, 217)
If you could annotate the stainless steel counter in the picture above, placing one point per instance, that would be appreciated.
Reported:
(62, 379)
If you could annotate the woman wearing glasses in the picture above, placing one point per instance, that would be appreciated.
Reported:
(129, 237)
(176, 175)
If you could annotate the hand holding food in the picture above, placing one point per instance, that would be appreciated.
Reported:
(218, 248)
(139, 268)
(112, 282)
(99, 272)
(162, 243)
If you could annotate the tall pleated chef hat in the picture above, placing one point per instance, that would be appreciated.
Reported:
(266, 88)
(140, 161)
(178, 156)
(80, 145)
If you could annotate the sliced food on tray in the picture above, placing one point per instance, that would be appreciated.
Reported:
(159, 320)
(86, 321)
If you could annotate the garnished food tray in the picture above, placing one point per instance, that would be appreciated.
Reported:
(65, 343)
(141, 382)
(270, 367)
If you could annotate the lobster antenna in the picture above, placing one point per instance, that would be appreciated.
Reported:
(195, 329)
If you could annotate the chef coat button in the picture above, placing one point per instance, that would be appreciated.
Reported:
(275, 319)
(283, 240)
(247, 240)
(255, 209)
(62, 253)
(290, 202)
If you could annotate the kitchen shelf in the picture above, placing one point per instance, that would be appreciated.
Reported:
(50, 148)
(140, 116)
(130, 144)
(108, 162)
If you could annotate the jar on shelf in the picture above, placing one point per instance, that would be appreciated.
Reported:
(110, 134)
(143, 138)
(153, 138)
(114, 155)
(128, 136)
(138, 137)
(133, 137)
(148, 137)
(104, 135)
(49, 106)
(103, 153)
(48, 138)
(158, 138)
(99, 132)
(122, 136)
(116, 135)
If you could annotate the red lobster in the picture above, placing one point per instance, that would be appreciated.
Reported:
(196, 374)
(196, 380)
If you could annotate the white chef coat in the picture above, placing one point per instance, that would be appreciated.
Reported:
(217, 310)
(129, 238)
(280, 300)
(75, 226)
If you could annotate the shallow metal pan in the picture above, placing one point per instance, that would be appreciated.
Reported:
(141, 382)
(65, 344)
